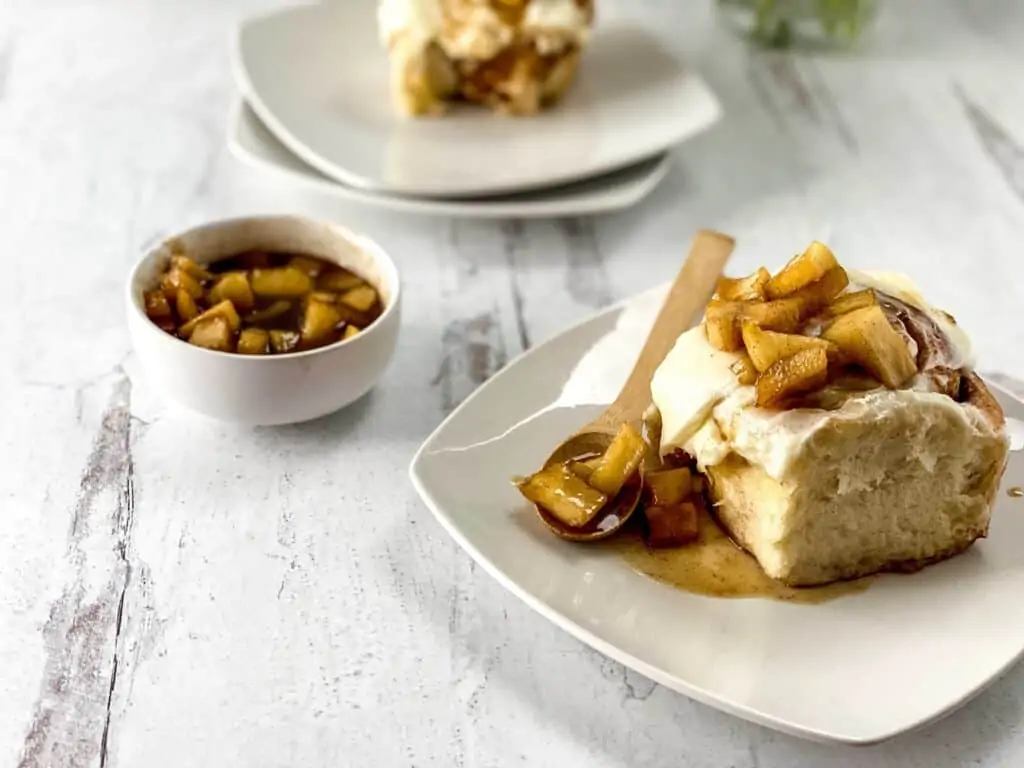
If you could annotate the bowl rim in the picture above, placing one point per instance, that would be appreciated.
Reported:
(364, 243)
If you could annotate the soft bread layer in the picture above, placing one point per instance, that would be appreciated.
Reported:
(908, 484)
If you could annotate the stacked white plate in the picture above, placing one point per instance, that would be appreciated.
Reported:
(315, 108)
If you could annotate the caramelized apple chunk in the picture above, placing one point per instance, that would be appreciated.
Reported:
(673, 525)
(178, 278)
(562, 493)
(253, 341)
(224, 309)
(190, 267)
(282, 341)
(744, 369)
(805, 371)
(158, 309)
(783, 315)
(865, 337)
(319, 322)
(619, 462)
(750, 288)
(285, 282)
(848, 302)
(234, 286)
(768, 347)
(722, 325)
(212, 332)
(804, 269)
(819, 294)
(185, 305)
(360, 299)
(668, 486)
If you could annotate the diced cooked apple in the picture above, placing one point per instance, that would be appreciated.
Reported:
(283, 341)
(783, 315)
(224, 309)
(350, 331)
(744, 369)
(189, 266)
(185, 306)
(286, 282)
(848, 302)
(339, 281)
(865, 337)
(158, 309)
(668, 486)
(767, 347)
(816, 296)
(319, 322)
(750, 288)
(253, 341)
(804, 269)
(673, 525)
(328, 296)
(805, 371)
(621, 460)
(271, 312)
(212, 333)
(563, 494)
(722, 325)
(310, 266)
(361, 299)
(178, 278)
(234, 287)
(584, 468)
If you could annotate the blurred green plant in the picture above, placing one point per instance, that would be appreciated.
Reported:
(783, 23)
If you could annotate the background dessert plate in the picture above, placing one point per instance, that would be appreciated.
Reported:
(859, 669)
(251, 142)
(317, 76)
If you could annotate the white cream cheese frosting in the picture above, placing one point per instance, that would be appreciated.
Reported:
(708, 414)
(475, 30)
(420, 20)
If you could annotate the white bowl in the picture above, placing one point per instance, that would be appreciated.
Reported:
(275, 389)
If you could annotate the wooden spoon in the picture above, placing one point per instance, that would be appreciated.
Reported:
(683, 307)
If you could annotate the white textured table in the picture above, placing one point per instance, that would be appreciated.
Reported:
(174, 592)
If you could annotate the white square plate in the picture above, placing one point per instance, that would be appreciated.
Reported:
(251, 142)
(317, 76)
(857, 670)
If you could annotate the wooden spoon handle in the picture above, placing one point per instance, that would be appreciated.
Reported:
(683, 307)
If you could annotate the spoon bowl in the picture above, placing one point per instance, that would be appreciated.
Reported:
(683, 308)
(615, 513)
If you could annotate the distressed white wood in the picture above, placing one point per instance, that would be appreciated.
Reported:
(175, 592)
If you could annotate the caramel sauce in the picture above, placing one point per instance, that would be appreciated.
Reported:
(1015, 492)
(715, 567)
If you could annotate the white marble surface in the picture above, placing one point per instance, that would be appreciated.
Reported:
(174, 592)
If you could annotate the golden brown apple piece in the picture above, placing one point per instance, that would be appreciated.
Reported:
(235, 287)
(673, 525)
(865, 337)
(750, 288)
(768, 347)
(851, 301)
(563, 494)
(212, 333)
(744, 369)
(224, 309)
(805, 371)
(619, 462)
(804, 269)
